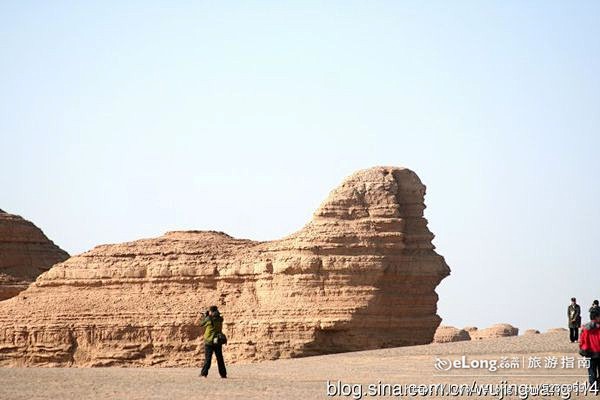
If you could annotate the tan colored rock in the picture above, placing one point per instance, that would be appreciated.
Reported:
(25, 252)
(446, 334)
(555, 330)
(531, 332)
(360, 275)
(470, 329)
(494, 331)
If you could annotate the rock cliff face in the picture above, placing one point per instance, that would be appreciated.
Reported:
(360, 275)
(25, 252)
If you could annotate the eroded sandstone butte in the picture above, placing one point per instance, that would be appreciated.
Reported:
(25, 252)
(360, 275)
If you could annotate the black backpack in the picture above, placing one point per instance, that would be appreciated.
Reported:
(220, 338)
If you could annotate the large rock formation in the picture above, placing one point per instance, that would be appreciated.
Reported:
(360, 275)
(25, 252)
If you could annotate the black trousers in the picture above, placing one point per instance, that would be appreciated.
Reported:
(208, 352)
(574, 334)
(594, 370)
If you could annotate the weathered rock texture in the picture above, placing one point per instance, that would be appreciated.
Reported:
(25, 252)
(360, 275)
(494, 331)
(446, 334)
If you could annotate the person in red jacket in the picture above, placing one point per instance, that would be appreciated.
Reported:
(589, 346)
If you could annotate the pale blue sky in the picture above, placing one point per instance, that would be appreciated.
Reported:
(122, 121)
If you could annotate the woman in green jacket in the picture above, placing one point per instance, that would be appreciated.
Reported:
(213, 326)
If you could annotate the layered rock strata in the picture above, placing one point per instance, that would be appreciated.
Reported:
(25, 252)
(360, 275)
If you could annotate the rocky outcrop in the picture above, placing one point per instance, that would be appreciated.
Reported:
(360, 275)
(446, 334)
(25, 252)
(531, 332)
(494, 331)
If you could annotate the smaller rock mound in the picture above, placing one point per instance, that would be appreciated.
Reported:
(531, 332)
(446, 334)
(555, 330)
(494, 331)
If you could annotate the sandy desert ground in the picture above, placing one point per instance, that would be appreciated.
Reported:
(306, 378)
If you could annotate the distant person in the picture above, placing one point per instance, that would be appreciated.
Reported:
(213, 341)
(589, 346)
(594, 307)
(574, 314)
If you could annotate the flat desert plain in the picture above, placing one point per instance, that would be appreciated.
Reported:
(542, 358)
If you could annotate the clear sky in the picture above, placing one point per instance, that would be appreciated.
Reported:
(123, 121)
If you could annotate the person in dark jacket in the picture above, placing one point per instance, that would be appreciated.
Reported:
(589, 346)
(574, 315)
(594, 307)
(213, 326)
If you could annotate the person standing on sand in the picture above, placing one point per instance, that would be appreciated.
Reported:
(574, 314)
(594, 307)
(213, 326)
(589, 346)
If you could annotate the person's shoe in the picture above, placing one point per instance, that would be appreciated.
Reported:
(203, 376)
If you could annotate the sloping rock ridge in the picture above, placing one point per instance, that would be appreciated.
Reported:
(360, 275)
(25, 252)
